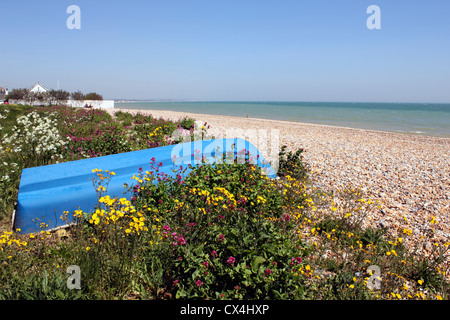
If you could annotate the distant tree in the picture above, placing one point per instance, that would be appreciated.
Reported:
(17, 94)
(93, 96)
(77, 95)
(30, 97)
(59, 96)
(42, 97)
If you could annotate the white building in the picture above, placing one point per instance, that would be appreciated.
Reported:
(38, 87)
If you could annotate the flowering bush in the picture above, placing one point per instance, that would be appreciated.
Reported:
(223, 227)
(108, 139)
(92, 133)
(3, 115)
(290, 163)
(6, 170)
(36, 139)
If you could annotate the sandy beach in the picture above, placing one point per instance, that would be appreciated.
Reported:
(408, 174)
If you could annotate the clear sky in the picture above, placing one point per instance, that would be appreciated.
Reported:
(302, 50)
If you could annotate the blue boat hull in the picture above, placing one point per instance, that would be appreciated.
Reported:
(46, 192)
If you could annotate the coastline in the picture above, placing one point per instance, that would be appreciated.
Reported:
(408, 174)
(403, 118)
(168, 114)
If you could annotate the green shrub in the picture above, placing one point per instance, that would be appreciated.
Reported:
(187, 123)
(224, 229)
(291, 163)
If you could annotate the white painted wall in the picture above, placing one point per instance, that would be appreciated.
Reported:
(97, 104)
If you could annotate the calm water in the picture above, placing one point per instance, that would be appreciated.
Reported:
(416, 118)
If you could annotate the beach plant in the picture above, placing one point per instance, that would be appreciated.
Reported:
(43, 286)
(89, 132)
(3, 115)
(36, 139)
(187, 123)
(145, 131)
(126, 118)
(33, 140)
(108, 139)
(10, 171)
(291, 163)
(346, 249)
(10, 113)
(224, 231)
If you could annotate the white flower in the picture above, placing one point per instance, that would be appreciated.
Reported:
(36, 132)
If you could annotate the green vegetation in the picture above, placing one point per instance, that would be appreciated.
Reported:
(34, 136)
(222, 231)
(93, 96)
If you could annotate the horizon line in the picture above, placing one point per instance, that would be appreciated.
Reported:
(306, 101)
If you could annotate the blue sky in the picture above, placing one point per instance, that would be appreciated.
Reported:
(303, 50)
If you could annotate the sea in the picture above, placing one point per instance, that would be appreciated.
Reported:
(430, 119)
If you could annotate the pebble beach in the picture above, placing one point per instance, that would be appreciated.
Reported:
(408, 174)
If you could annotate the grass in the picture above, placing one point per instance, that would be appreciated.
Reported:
(219, 232)
(15, 111)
